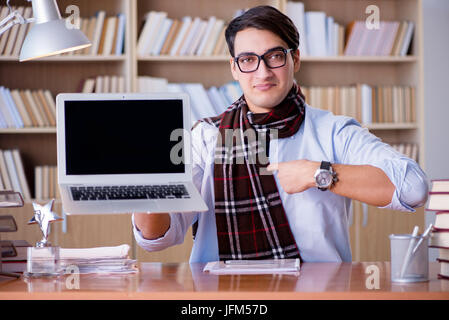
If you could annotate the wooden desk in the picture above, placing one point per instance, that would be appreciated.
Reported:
(188, 282)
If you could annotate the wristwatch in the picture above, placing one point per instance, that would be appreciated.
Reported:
(325, 176)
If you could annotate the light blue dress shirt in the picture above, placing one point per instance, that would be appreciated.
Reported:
(319, 220)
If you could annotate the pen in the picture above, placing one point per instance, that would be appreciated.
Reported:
(423, 236)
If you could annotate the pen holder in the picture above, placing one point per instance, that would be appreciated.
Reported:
(406, 265)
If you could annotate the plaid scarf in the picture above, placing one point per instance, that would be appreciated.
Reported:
(250, 218)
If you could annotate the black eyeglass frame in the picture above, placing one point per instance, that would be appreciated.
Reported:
(262, 57)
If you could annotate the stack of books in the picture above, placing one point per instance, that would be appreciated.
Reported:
(12, 173)
(439, 202)
(367, 104)
(26, 108)
(189, 36)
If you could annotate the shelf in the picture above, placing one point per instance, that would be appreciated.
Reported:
(28, 130)
(338, 59)
(185, 58)
(371, 126)
(390, 126)
(79, 58)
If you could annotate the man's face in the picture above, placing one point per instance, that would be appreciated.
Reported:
(264, 88)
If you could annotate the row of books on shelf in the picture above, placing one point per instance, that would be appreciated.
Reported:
(439, 202)
(12, 173)
(408, 149)
(107, 33)
(11, 41)
(204, 103)
(321, 35)
(26, 108)
(103, 84)
(46, 182)
(12, 177)
(161, 35)
(367, 104)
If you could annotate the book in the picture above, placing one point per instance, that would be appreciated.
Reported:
(185, 26)
(120, 38)
(440, 185)
(444, 269)
(407, 39)
(161, 37)
(12, 171)
(168, 43)
(13, 35)
(197, 38)
(4, 172)
(21, 174)
(5, 111)
(295, 10)
(207, 36)
(23, 30)
(98, 31)
(110, 27)
(190, 36)
(438, 201)
(439, 239)
(316, 33)
(441, 221)
(27, 122)
(214, 37)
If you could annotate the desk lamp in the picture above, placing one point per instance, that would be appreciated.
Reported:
(50, 34)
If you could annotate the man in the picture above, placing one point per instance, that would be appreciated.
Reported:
(298, 205)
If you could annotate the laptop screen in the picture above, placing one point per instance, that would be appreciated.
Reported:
(122, 136)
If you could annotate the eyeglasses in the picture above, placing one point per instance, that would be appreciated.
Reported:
(273, 58)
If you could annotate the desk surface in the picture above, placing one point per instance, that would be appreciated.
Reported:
(187, 281)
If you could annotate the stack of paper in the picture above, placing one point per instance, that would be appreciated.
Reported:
(98, 260)
(277, 266)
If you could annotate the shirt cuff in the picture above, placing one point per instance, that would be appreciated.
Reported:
(161, 243)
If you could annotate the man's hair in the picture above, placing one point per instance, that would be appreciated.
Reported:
(263, 18)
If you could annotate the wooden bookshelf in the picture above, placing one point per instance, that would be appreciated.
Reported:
(65, 73)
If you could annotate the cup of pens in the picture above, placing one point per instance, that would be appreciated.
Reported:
(410, 257)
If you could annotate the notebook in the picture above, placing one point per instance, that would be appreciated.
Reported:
(125, 153)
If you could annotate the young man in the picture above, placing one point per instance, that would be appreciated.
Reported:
(298, 205)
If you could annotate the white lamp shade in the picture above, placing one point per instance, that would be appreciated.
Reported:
(51, 38)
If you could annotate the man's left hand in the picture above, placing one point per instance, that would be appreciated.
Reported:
(295, 176)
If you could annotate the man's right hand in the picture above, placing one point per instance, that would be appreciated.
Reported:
(152, 225)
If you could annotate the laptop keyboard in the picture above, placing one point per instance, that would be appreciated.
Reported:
(129, 192)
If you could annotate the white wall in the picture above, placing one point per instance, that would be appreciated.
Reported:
(436, 98)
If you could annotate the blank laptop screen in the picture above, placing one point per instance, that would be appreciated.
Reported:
(122, 136)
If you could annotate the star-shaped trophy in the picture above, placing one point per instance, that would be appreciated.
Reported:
(44, 216)
(43, 259)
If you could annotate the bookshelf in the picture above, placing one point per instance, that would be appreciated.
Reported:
(66, 73)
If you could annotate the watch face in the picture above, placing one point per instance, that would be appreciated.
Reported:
(324, 179)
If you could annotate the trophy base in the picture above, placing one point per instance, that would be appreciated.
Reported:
(43, 262)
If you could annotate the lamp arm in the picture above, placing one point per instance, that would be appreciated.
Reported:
(11, 20)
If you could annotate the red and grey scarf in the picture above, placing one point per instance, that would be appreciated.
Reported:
(251, 221)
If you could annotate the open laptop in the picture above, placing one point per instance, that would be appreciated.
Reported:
(125, 153)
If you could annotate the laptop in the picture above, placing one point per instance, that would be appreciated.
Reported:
(125, 153)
